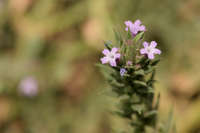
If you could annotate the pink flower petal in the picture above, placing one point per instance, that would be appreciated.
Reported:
(104, 60)
(137, 23)
(145, 44)
(114, 50)
(117, 56)
(143, 51)
(150, 56)
(105, 51)
(128, 23)
(129, 26)
(134, 31)
(153, 44)
(113, 63)
(157, 51)
(134, 27)
(142, 28)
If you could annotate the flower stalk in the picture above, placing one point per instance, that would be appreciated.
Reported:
(129, 68)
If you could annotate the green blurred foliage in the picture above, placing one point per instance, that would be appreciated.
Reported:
(59, 41)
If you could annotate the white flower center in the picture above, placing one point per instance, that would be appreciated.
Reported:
(111, 56)
(149, 50)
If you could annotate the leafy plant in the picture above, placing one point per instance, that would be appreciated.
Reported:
(130, 70)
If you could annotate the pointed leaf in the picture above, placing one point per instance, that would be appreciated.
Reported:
(157, 102)
(150, 90)
(155, 62)
(139, 108)
(151, 113)
(118, 37)
(149, 70)
(108, 44)
(140, 72)
(140, 83)
(138, 37)
(169, 123)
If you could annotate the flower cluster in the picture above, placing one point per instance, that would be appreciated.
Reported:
(150, 50)
(130, 73)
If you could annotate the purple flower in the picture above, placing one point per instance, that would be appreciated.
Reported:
(150, 50)
(28, 87)
(110, 56)
(129, 63)
(134, 28)
(122, 71)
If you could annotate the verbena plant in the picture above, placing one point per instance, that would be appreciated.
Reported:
(129, 67)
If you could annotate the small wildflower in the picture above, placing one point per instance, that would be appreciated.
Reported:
(122, 71)
(29, 87)
(129, 63)
(150, 50)
(110, 56)
(134, 27)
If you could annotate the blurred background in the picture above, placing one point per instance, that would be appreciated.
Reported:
(48, 49)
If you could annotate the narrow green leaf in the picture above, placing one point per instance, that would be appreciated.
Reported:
(115, 83)
(119, 38)
(153, 75)
(129, 35)
(107, 71)
(169, 123)
(142, 60)
(139, 108)
(138, 37)
(157, 102)
(140, 83)
(155, 62)
(149, 70)
(151, 113)
(108, 44)
(139, 72)
(150, 90)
